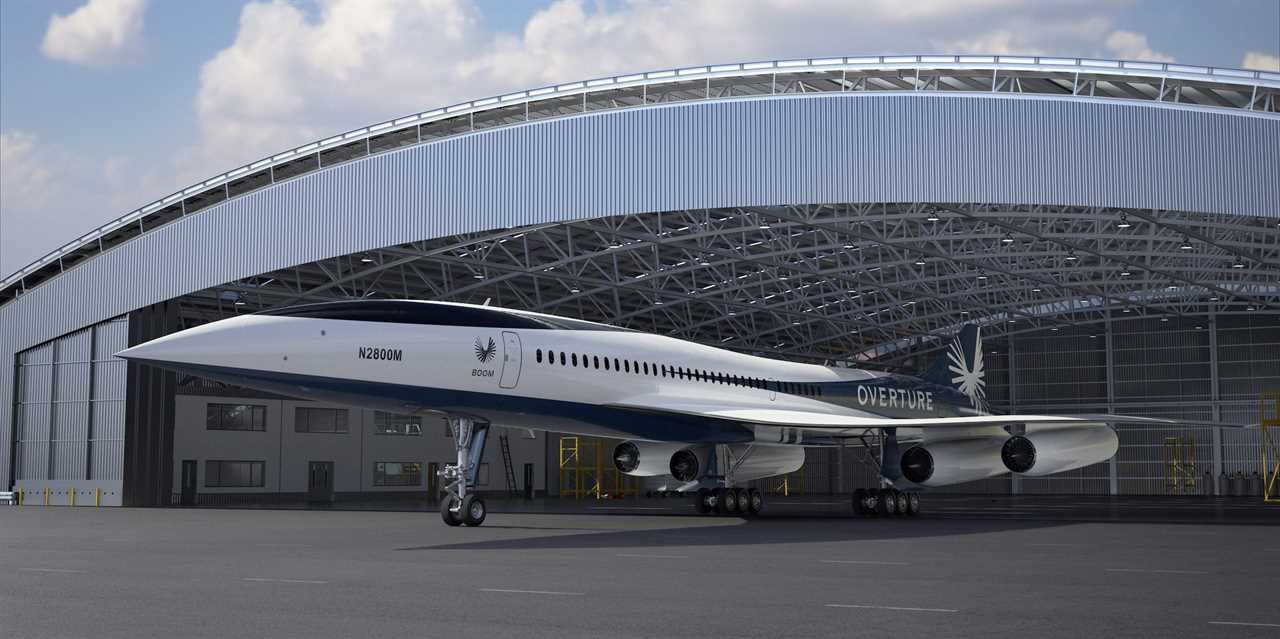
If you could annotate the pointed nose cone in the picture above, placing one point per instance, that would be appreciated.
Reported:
(201, 346)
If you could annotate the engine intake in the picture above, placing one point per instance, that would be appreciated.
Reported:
(952, 462)
(1056, 450)
(645, 459)
(685, 465)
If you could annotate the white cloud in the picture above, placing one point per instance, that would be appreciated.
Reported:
(49, 195)
(101, 33)
(1129, 45)
(23, 181)
(293, 75)
(1261, 61)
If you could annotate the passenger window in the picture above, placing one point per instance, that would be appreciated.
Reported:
(606, 363)
(616, 366)
(575, 359)
(562, 358)
(595, 359)
(539, 358)
(646, 367)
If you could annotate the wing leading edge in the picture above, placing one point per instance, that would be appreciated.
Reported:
(820, 420)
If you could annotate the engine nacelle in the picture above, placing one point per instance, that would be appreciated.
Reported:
(1056, 450)
(952, 462)
(766, 461)
(647, 459)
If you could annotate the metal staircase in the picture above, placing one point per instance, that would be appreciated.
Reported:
(504, 441)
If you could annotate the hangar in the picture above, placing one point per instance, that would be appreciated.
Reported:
(1113, 226)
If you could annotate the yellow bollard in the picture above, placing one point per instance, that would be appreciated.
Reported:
(73, 496)
(46, 496)
(97, 498)
(22, 496)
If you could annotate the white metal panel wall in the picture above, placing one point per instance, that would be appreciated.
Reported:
(782, 149)
(70, 411)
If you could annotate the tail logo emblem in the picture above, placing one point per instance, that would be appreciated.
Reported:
(968, 374)
(485, 352)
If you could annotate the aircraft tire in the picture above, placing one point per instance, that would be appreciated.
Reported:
(740, 499)
(903, 503)
(473, 510)
(886, 504)
(722, 501)
(913, 504)
(450, 518)
(755, 501)
(701, 502)
(859, 502)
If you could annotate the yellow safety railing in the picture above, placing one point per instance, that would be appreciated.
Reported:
(585, 471)
(1179, 465)
(1269, 442)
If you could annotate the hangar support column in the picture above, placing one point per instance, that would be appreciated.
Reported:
(148, 443)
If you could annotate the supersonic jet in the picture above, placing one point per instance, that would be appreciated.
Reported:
(708, 418)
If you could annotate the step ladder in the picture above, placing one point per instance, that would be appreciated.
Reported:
(505, 442)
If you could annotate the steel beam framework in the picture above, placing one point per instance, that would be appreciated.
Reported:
(843, 284)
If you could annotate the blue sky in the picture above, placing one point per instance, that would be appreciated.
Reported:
(118, 102)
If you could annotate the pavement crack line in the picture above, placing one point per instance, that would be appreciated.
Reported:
(57, 570)
(897, 608)
(532, 592)
(284, 581)
(1157, 571)
(866, 562)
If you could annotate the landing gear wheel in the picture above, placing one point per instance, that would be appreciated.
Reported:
(859, 502)
(702, 503)
(740, 499)
(727, 501)
(447, 514)
(886, 504)
(755, 502)
(473, 510)
(903, 502)
(913, 504)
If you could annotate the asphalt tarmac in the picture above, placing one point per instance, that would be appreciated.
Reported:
(1006, 568)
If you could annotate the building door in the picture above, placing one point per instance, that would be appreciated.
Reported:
(528, 481)
(510, 360)
(320, 482)
(433, 480)
(189, 484)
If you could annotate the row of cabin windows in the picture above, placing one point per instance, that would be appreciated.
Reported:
(672, 372)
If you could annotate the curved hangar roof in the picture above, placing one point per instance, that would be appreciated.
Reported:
(826, 209)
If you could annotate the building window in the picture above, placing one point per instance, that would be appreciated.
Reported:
(219, 473)
(319, 420)
(397, 474)
(393, 424)
(235, 417)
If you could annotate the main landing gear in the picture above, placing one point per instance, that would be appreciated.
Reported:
(460, 505)
(729, 501)
(886, 502)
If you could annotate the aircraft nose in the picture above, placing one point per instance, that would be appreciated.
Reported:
(202, 345)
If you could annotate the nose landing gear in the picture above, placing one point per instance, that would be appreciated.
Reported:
(460, 505)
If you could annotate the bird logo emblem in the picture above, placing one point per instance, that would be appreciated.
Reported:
(485, 352)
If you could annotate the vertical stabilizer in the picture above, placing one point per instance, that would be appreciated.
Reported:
(960, 367)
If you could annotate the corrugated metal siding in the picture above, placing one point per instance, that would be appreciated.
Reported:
(852, 147)
(71, 407)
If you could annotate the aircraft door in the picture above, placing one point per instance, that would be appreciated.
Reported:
(510, 360)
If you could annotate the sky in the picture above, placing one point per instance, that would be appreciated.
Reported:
(107, 105)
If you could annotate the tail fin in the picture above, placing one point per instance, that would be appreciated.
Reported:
(961, 368)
